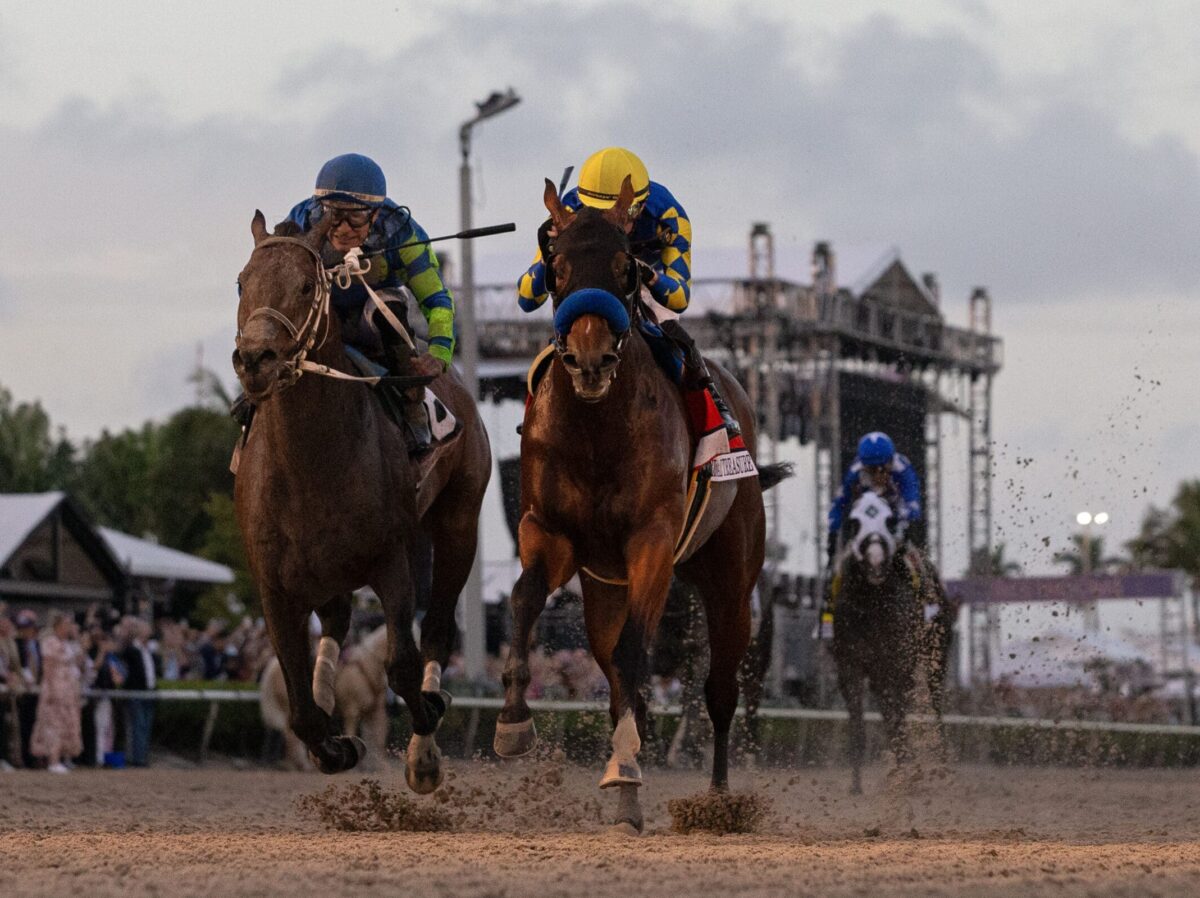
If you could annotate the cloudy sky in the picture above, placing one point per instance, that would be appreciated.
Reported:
(1048, 151)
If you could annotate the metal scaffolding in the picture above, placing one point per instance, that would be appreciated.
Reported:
(790, 343)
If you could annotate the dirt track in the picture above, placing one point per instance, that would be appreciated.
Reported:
(534, 829)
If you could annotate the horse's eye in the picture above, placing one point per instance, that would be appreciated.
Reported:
(568, 359)
(306, 288)
(239, 286)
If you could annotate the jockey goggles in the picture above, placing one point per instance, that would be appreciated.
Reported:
(355, 216)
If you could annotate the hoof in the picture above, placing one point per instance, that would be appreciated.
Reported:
(625, 828)
(423, 771)
(439, 701)
(339, 754)
(514, 740)
(621, 774)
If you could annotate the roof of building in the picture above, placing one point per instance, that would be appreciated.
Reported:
(22, 513)
(143, 558)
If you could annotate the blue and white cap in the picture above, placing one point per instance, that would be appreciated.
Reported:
(876, 448)
(351, 179)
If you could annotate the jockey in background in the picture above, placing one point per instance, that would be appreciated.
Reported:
(661, 242)
(879, 467)
(352, 191)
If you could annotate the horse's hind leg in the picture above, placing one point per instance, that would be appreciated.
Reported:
(546, 564)
(727, 609)
(453, 527)
(289, 634)
(393, 585)
(335, 625)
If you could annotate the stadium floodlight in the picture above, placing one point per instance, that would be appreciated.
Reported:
(1083, 518)
(1101, 517)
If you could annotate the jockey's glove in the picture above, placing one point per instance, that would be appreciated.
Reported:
(646, 273)
(545, 240)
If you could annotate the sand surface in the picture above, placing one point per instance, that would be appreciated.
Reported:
(540, 829)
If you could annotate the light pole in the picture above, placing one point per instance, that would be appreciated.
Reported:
(1085, 519)
(468, 354)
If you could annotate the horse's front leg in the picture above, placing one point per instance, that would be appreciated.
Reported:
(649, 563)
(393, 584)
(547, 562)
(335, 625)
(287, 624)
(850, 684)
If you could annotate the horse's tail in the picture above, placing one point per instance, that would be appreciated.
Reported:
(773, 475)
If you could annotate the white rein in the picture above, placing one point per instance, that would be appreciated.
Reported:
(353, 265)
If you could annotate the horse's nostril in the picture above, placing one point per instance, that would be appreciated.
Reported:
(570, 361)
(252, 358)
(609, 360)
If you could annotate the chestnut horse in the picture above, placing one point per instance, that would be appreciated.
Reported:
(327, 501)
(606, 452)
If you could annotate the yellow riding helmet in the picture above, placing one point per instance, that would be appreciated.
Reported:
(601, 177)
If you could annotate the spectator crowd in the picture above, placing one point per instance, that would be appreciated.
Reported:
(55, 669)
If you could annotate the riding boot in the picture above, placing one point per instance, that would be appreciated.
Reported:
(417, 418)
(697, 376)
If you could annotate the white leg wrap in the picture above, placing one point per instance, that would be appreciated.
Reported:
(433, 677)
(325, 673)
(622, 768)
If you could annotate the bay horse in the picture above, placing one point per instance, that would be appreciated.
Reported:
(606, 452)
(880, 632)
(327, 501)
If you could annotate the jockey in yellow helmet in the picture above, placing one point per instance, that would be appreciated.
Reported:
(661, 241)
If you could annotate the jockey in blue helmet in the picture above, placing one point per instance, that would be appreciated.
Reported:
(352, 191)
(879, 467)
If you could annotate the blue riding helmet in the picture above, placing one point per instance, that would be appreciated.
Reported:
(876, 448)
(351, 179)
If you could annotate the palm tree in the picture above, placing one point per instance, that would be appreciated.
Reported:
(1097, 562)
(993, 563)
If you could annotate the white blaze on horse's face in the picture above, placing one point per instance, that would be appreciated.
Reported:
(874, 542)
(591, 358)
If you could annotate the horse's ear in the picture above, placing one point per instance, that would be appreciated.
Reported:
(558, 213)
(316, 237)
(619, 213)
(258, 227)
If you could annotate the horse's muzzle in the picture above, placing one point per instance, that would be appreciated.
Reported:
(592, 382)
(258, 368)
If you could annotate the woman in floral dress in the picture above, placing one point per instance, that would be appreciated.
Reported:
(57, 735)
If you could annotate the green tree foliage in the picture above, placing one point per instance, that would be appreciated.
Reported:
(33, 458)
(112, 480)
(1170, 538)
(223, 544)
(191, 463)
